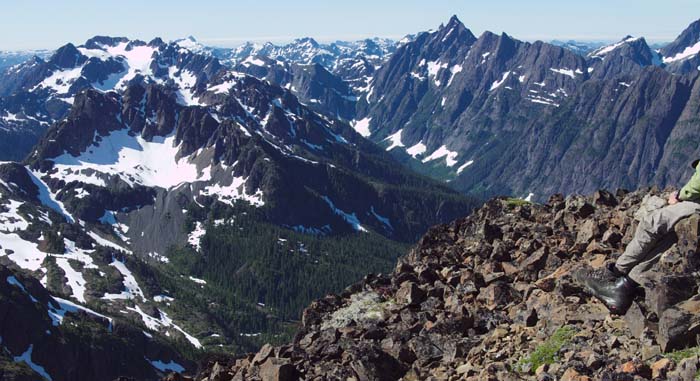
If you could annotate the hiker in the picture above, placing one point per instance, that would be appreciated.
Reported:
(617, 286)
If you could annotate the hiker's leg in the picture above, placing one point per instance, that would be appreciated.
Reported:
(651, 229)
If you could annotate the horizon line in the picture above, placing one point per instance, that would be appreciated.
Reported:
(227, 42)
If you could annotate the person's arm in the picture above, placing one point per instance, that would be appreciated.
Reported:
(691, 190)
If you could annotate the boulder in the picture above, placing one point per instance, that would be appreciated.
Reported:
(587, 232)
(410, 294)
(688, 232)
(277, 370)
(663, 291)
(603, 197)
(679, 326)
(262, 355)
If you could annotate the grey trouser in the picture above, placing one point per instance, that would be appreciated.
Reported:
(640, 256)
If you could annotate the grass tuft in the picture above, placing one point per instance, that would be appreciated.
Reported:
(514, 202)
(679, 355)
(546, 353)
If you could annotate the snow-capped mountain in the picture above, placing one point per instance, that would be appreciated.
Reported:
(161, 156)
(627, 57)
(493, 114)
(578, 47)
(313, 84)
(353, 62)
(202, 203)
(39, 92)
(307, 51)
(681, 55)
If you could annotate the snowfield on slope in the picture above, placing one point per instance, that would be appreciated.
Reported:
(134, 159)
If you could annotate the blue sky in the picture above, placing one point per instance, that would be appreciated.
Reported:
(31, 24)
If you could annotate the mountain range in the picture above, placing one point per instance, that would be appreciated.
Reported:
(175, 200)
(494, 115)
(196, 206)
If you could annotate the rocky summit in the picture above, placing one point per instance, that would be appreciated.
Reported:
(493, 297)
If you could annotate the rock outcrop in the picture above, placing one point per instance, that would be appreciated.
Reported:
(493, 297)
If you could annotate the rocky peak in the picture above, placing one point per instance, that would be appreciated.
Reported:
(306, 42)
(15, 175)
(156, 42)
(67, 57)
(455, 31)
(627, 57)
(493, 297)
(99, 42)
(454, 22)
(93, 114)
(601, 52)
(688, 38)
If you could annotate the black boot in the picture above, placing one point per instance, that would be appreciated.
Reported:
(614, 289)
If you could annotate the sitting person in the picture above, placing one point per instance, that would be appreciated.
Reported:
(617, 288)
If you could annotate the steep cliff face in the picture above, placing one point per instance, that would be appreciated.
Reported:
(494, 115)
(493, 297)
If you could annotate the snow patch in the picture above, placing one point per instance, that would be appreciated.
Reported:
(61, 80)
(13, 281)
(384, 220)
(395, 140)
(26, 358)
(23, 253)
(222, 88)
(195, 237)
(107, 243)
(138, 59)
(464, 166)
(250, 60)
(185, 81)
(66, 306)
(350, 218)
(417, 149)
(686, 53)
(197, 280)
(434, 68)
(362, 127)
(47, 198)
(600, 53)
(163, 298)
(498, 83)
(454, 70)
(567, 72)
(450, 156)
(11, 221)
(163, 321)
(170, 366)
(76, 282)
(228, 194)
(134, 159)
(132, 289)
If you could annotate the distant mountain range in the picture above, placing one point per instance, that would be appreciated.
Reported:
(15, 57)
